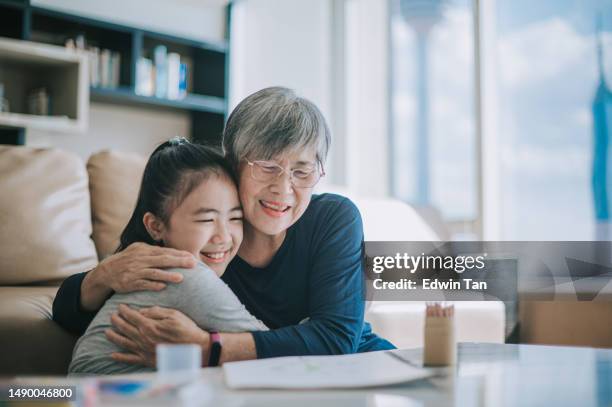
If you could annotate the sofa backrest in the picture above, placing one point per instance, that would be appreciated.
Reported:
(45, 224)
(114, 182)
(386, 219)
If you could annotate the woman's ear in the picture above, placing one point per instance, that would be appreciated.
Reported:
(154, 226)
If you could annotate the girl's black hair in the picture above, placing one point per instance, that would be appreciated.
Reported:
(174, 169)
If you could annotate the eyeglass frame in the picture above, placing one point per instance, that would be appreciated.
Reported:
(283, 171)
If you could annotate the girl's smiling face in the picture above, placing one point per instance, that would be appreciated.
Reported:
(207, 223)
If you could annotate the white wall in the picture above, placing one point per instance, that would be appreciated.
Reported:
(131, 129)
(367, 96)
(135, 129)
(281, 43)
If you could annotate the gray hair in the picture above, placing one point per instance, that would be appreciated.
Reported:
(273, 121)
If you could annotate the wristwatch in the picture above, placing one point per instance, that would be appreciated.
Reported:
(215, 349)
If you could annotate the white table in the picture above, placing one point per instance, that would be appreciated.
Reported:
(486, 375)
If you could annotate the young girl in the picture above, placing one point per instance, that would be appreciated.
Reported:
(188, 201)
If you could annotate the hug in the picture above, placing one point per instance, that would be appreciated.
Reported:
(233, 250)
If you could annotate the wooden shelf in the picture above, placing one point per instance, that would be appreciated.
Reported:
(23, 51)
(126, 96)
(63, 73)
(208, 45)
(48, 123)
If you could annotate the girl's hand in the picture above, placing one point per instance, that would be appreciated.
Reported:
(139, 332)
(137, 268)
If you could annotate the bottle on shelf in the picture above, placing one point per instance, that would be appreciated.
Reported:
(160, 56)
(174, 75)
(39, 102)
(145, 82)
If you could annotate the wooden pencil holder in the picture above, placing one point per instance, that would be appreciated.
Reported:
(440, 345)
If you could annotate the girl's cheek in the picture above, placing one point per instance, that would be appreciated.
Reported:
(237, 232)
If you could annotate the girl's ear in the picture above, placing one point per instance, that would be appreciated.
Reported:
(154, 226)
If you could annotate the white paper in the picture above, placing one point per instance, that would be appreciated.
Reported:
(318, 372)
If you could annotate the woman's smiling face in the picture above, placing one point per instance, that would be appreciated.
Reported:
(272, 207)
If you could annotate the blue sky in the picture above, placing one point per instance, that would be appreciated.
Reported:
(548, 78)
(515, 14)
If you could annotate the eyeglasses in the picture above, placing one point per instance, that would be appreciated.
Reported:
(300, 177)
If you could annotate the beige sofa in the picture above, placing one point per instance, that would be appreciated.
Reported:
(60, 216)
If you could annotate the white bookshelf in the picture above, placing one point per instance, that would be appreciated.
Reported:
(25, 66)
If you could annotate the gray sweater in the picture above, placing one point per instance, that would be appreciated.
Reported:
(202, 296)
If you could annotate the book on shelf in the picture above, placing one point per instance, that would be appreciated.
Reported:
(104, 64)
(188, 74)
(166, 75)
(108, 66)
(183, 80)
(115, 69)
(94, 71)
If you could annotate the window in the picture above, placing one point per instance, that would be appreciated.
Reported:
(433, 98)
(548, 91)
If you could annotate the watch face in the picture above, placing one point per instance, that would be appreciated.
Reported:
(215, 354)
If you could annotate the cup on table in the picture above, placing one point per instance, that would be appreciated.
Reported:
(178, 358)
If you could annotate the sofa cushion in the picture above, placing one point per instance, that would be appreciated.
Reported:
(45, 216)
(114, 181)
(31, 342)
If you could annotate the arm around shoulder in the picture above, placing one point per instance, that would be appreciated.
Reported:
(67, 310)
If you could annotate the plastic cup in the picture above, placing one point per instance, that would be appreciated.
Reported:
(178, 358)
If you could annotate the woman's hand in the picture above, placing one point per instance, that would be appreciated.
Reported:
(137, 268)
(139, 332)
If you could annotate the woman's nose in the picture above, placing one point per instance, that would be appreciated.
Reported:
(282, 184)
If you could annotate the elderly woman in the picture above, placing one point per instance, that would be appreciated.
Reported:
(299, 268)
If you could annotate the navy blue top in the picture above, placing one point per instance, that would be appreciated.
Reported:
(316, 273)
